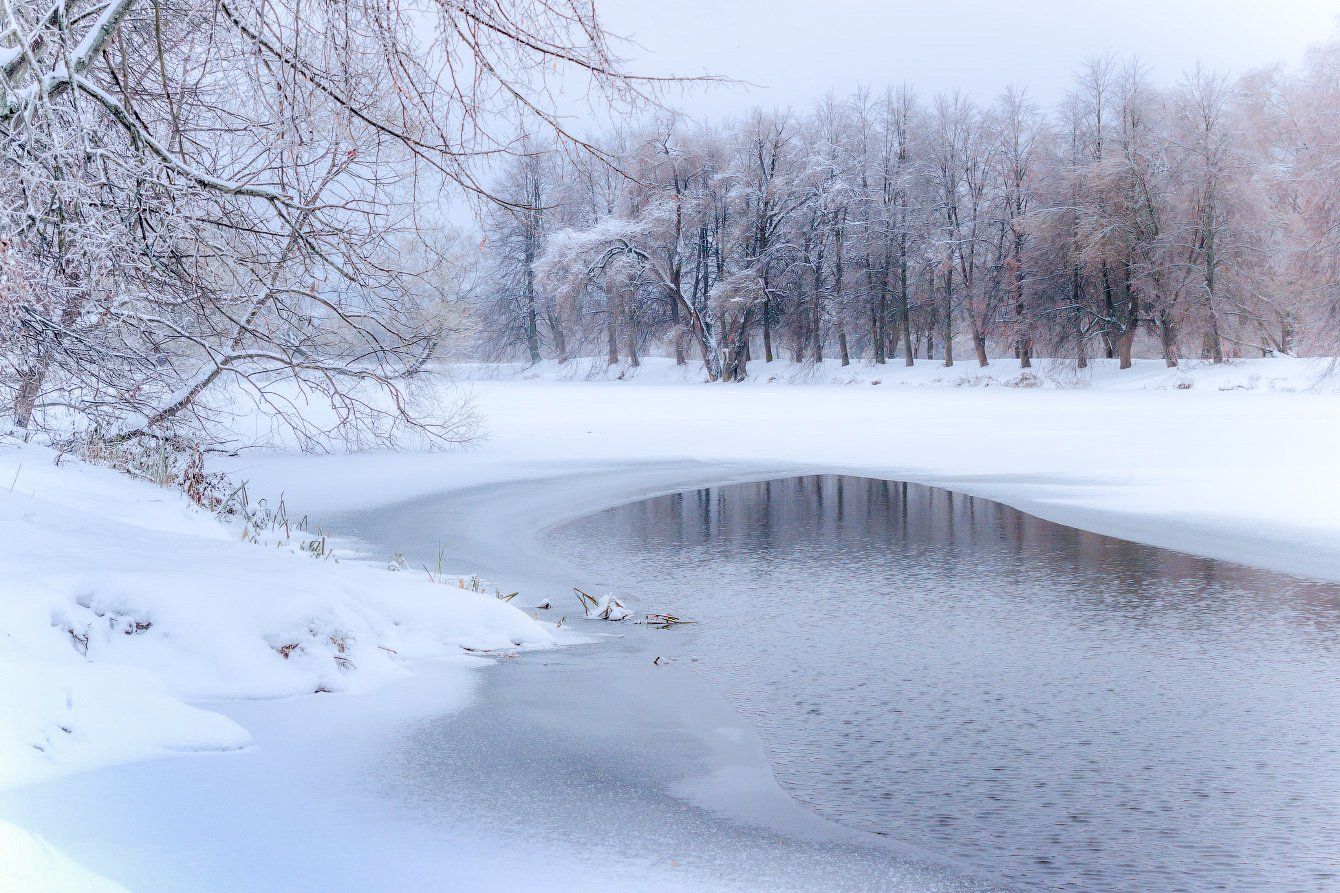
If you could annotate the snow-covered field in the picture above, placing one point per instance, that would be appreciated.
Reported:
(127, 606)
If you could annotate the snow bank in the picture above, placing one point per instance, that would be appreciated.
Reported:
(1274, 374)
(123, 602)
(1218, 470)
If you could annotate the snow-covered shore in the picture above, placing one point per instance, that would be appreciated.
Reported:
(124, 603)
(1285, 374)
(127, 604)
(1240, 466)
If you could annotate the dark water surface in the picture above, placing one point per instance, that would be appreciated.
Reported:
(1061, 709)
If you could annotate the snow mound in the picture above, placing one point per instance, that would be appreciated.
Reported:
(606, 607)
(124, 602)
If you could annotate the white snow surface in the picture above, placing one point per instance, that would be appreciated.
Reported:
(28, 864)
(126, 605)
(1238, 466)
(1286, 374)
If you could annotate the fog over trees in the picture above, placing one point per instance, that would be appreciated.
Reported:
(212, 205)
(1197, 221)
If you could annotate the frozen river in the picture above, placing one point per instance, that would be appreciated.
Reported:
(889, 687)
(586, 768)
(1059, 709)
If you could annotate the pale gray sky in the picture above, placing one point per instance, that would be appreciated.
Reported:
(799, 49)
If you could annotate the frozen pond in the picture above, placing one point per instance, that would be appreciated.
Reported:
(1059, 709)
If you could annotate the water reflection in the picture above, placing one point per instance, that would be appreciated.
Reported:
(1068, 710)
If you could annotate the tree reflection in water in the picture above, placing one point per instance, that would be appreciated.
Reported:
(1061, 708)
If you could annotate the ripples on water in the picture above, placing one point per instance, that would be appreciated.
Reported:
(1065, 710)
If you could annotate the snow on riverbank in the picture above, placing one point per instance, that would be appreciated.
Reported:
(1275, 374)
(1236, 473)
(123, 602)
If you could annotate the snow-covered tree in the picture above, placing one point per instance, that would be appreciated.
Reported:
(206, 200)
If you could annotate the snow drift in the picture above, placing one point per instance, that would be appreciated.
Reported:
(124, 602)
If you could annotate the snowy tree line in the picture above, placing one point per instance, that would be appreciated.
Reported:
(212, 205)
(1196, 221)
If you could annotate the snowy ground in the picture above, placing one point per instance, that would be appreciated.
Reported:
(1233, 462)
(1240, 466)
(1279, 374)
(124, 604)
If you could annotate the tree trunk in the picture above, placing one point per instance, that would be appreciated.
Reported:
(559, 339)
(612, 334)
(675, 294)
(1168, 336)
(904, 303)
(948, 336)
(1212, 347)
(1215, 343)
(1127, 341)
(1211, 265)
(1025, 344)
(32, 378)
(528, 276)
(1077, 299)
(767, 330)
(1110, 305)
(532, 332)
(837, 294)
(630, 346)
(877, 330)
(736, 367)
(816, 328)
(25, 397)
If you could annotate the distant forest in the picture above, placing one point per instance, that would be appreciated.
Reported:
(1195, 221)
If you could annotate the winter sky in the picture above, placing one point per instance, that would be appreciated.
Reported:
(796, 50)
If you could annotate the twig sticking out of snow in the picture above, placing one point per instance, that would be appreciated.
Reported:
(664, 621)
(491, 652)
(607, 607)
(610, 608)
